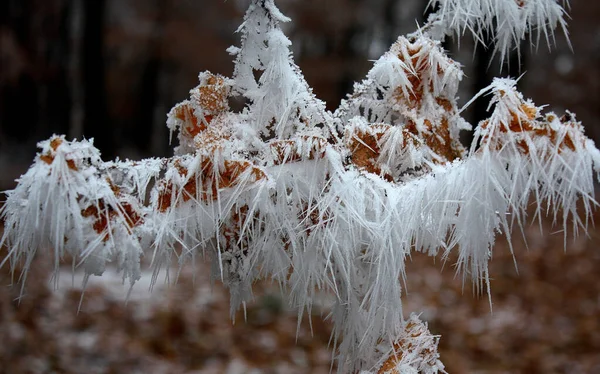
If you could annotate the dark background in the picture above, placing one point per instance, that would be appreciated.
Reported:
(111, 69)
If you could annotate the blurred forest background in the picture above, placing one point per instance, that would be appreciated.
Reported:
(112, 69)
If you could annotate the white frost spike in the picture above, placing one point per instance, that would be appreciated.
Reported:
(281, 100)
(546, 156)
(415, 351)
(507, 21)
(406, 83)
(401, 151)
(63, 202)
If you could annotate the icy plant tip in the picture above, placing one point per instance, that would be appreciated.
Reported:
(314, 200)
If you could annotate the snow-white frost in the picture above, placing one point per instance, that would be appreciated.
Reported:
(508, 22)
(314, 200)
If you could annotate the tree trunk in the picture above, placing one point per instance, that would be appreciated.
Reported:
(95, 123)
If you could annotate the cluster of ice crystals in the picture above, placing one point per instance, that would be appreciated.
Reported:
(508, 22)
(281, 102)
(67, 202)
(287, 191)
(413, 352)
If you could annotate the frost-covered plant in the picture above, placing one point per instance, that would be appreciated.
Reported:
(314, 200)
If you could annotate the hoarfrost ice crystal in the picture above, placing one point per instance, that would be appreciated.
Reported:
(316, 200)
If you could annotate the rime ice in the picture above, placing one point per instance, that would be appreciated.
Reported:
(316, 200)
